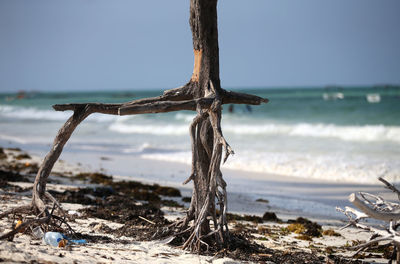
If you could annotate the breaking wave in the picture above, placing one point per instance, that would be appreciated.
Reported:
(323, 167)
(367, 133)
(31, 113)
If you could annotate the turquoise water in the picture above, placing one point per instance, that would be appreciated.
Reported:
(350, 134)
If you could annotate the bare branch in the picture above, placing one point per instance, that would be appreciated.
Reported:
(390, 186)
(166, 106)
(111, 109)
(24, 225)
(229, 97)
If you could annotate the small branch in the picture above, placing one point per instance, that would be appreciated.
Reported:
(176, 94)
(147, 220)
(229, 97)
(24, 225)
(390, 186)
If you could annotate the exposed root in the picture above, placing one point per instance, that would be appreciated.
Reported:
(44, 217)
(216, 184)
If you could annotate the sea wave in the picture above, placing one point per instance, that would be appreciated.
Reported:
(322, 167)
(349, 133)
(31, 113)
(162, 129)
(367, 133)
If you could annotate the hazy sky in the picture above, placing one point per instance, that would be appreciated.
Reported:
(126, 44)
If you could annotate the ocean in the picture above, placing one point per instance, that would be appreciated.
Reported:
(335, 134)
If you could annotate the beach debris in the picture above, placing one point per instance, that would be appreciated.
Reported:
(375, 207)
(19, 222)
(306, 227)
(271, 216)
(330, 232)
(57, 239)
(147, 220)
(38, 232)
(22, 156)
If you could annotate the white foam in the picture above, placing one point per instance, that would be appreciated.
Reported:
(325, 167)
(155, 129)
(367, 133)
(349, 133)
(30, 113)
(27, 113)
(185, 117)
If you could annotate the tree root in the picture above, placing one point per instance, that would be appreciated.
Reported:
(44, 217)
(216, 184)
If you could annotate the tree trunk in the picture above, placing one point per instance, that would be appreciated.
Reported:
(206, 146)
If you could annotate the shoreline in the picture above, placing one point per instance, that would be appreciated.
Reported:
(288, 196)
(272, 234)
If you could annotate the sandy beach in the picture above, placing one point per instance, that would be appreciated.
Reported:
(199, 132)
(106, 243)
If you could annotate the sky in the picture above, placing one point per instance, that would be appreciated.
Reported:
(73, 45)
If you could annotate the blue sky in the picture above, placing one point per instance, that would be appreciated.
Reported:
(58, 45)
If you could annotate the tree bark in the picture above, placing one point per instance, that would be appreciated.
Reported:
(206, 139)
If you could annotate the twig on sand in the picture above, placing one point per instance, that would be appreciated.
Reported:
(147, 220)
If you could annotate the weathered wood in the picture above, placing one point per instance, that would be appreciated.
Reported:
(375, 207)
(150, 105)
(166, 106)
(110, 109)
(390, 186)
(39, 186)
(385, 216)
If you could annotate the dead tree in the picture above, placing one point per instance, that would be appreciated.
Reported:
(203, 94)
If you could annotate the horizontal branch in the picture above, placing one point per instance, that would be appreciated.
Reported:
(385, 216)
(111, 109)
(175, 94)
(191, 105)
(229, 97)
(166, 106)
(171, 100)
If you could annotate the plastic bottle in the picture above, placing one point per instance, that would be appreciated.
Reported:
(54, 239)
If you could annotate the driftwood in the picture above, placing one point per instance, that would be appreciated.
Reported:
(375, 207)
(203, 94)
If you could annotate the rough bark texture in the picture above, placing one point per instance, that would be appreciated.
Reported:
(203, 94)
